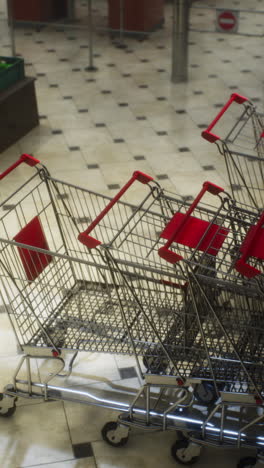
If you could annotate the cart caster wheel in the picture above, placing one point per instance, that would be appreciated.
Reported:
(6, 412)
(247, 462)
(185, 452)
(155, 364)
(205, 393)
(114, 434)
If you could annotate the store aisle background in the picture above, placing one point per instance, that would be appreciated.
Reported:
(95, 129)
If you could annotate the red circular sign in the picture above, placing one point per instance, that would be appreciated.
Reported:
(227, 20)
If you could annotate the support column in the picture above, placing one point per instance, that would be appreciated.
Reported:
(10, 19)
(179, 71)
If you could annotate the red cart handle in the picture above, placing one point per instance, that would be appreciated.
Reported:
(207, 134)
(89, 241)
(26, 158)
(164, 251)
(251, 247)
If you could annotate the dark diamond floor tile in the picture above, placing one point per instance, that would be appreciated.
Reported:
(126, 75)
(162, 176)
(62, 196)
(123, 104)
(202, 126)
(76, 69)
(84, 46)
(194, 65)
(42, 117)
(93, 166)
(100, 124)
(127, 372)
(74, 148)
(41, 74)
(218, 105)
(51, 51)
(198, 92)
(161, 70)
(53, 85)
(208, 168)
(71, 38)
(144, 60)
(139, 158)
(180, 111)
(91, 80)
(83, 220)
(161, 98)
(113, 186)
(111, 65)
(143, 86)
(83, 450)
(106, 91)
(67, 97)
(8, 207)
(57, 132)
(160, 47)
(184, 149)
(162, 133)
(245, 71)
(141, 117)
(82, 111)
(64, 60)
(236, 187)
(119, 140)
(212, 76)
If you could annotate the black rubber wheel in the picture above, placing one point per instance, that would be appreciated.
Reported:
(6, 412)
(179, 452)
(108, 434)
(205, 393)
(247, 462)
(155, 363)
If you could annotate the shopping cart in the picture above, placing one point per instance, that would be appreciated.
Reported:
(241, 142)
(224, 242)
(118, 296)
(111, 293)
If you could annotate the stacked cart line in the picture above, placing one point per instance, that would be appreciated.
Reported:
(240, 139)
(177, 285)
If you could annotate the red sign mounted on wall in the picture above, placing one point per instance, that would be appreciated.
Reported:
(227, 20)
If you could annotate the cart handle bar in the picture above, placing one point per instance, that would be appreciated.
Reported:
(164, 251)
(252, 240)
(207, 134)
(26, 158)
(90, 241)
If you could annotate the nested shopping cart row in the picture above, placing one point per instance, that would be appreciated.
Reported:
(129, 288)
(178, 285)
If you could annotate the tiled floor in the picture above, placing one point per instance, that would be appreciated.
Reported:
(95, 129)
